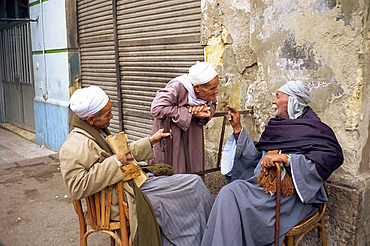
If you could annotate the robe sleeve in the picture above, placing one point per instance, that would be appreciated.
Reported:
(246, 157)
(307, 181)
(212, 106)
(167, 104)
(141, 149)
(82, 180)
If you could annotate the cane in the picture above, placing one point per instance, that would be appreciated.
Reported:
(278, 194)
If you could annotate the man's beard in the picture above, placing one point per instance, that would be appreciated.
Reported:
(276, 110)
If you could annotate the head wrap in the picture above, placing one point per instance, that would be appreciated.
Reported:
(299, 97)
(88, 101)
(201, 73)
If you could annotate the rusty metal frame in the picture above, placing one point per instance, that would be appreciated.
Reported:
(221, 114)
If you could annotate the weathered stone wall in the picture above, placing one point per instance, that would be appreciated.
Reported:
(258, 45)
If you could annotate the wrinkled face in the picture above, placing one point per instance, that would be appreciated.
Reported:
(281, 102)
(207, 92)
(103, 120)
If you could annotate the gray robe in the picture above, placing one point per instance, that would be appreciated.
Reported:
(182, 204)
(187, 131)
(244, 215)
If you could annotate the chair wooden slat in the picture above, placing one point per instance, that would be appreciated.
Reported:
(109, 204)
(97, 209)
(102, 209)
(90, 202)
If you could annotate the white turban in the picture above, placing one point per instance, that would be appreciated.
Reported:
(201, 73)
(299, 97)
(88, 101)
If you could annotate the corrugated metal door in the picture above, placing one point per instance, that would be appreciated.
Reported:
(158, 40)
(97, 50)
(17, 76)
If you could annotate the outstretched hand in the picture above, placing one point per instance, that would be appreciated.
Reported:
(233, 117)
(156, 137)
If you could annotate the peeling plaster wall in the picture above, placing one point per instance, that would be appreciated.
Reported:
(256, 46)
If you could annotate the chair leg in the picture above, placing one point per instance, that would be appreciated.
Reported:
(82, 233)
(112, 241)
(290, 241)
(322, 232)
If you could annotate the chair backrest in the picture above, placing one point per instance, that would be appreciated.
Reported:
(98, 209)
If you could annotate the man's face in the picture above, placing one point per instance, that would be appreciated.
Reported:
(281, 102)
(207, 92)
(105, 116)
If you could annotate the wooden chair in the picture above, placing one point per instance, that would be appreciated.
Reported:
(305, 226)
(97, 216)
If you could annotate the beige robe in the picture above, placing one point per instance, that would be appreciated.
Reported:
(87, 169)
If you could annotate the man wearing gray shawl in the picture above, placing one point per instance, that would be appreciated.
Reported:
(244, 211)
(189, 101)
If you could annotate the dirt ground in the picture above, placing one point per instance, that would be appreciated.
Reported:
(36, 208)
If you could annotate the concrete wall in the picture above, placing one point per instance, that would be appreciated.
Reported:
(56, 64)
(259, 45)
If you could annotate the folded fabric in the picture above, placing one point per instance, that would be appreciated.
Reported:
(228, 155)
(159, 169)
(268, 181)
(130, 171)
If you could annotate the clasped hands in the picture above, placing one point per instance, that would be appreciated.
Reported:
(200, 111)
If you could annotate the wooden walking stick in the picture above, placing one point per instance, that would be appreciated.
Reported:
(166, 143)
(272, 183)
(278, 196)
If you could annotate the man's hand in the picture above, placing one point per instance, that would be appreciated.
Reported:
(158, 135)
(269, 161)
(125, 158)
(233, 117)
(200, 111)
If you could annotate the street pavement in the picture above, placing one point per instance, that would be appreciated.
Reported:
(35, 206)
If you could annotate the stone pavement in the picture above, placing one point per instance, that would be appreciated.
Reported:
(35, 207)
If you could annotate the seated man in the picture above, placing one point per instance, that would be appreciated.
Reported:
(181, 203)
(243, 214)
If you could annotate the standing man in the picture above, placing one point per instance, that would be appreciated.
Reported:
(189, 101)
(244, 212)
(179, 204)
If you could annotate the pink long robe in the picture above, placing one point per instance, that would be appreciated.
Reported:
(187, 131)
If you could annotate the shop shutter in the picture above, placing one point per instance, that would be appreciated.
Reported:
(97, 50)
(158, 40)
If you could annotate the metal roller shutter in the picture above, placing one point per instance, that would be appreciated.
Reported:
(158, 40)
(97, 50)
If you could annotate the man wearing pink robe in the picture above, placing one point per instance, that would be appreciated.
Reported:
(190, 102)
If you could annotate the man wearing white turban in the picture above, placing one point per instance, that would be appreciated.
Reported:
(189, 101)
(88, 164)
(244, 210)
(299, 97)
